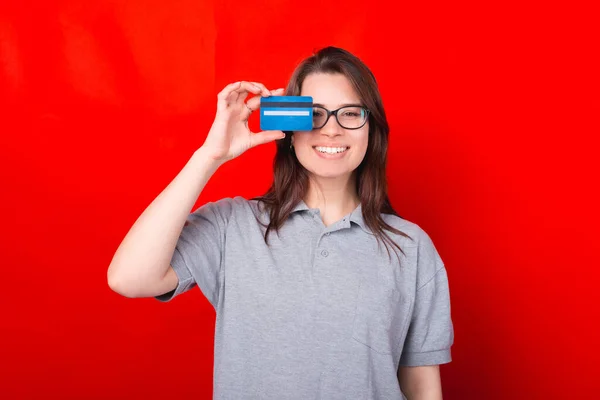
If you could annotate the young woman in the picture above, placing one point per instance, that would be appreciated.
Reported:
(309, 305)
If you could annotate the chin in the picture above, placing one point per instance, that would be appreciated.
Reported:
(327, 169)
(329, 174)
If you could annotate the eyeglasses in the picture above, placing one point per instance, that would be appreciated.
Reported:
(348, 117)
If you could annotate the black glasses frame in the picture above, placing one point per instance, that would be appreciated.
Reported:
(335, 112)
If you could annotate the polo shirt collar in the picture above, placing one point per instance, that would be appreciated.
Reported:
(355, 216)
(300, 206)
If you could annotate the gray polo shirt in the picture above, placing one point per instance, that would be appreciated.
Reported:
(321, 313)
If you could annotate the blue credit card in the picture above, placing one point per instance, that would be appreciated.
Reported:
(286, 113)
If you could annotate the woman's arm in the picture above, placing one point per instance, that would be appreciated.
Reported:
(421, 383)
(140, 266)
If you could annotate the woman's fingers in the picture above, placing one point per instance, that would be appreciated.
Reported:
(265, 137)
(245, 88)
(223, 96)
(254, 103)
(251, 87)
(264, 91)
(236, 93)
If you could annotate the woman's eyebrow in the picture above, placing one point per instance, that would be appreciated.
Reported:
(341, 105)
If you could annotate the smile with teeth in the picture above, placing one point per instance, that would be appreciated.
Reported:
(331, 150)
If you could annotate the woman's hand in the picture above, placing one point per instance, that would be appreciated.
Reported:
(229, 135)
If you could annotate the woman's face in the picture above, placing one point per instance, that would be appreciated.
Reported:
(317, 150)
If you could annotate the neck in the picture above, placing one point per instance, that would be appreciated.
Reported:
(333, 196)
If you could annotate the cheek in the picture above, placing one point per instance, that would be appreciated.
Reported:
(361, 145)
(301, 138)
(362, 141)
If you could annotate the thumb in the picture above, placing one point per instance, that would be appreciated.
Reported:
(265, 137)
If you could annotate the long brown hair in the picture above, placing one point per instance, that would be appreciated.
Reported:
(290, 183)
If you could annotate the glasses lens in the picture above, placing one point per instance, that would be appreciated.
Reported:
(352, 117)
(319, 117)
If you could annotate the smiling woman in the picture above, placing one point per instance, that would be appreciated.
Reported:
(332, 90)
(318, 309)
(346, 154)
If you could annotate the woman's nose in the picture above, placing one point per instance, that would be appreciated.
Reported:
(331, 127)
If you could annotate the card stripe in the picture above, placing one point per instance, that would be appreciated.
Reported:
(287, 113)
(289, 104)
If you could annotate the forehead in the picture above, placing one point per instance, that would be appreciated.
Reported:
(330, 90)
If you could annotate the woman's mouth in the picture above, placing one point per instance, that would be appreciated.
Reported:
(331, 152)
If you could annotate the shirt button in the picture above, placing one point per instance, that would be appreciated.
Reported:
(328, 233)
(324, 253)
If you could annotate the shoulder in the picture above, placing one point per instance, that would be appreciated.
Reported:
(409, 228)
(224, 209)
(421, 250)
(228, 205)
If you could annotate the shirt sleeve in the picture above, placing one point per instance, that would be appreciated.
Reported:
(431, 333)
(198, 256)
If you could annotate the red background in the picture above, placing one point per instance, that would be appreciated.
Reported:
(493, 111)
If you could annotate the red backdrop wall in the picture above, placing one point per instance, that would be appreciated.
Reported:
(493, 111)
